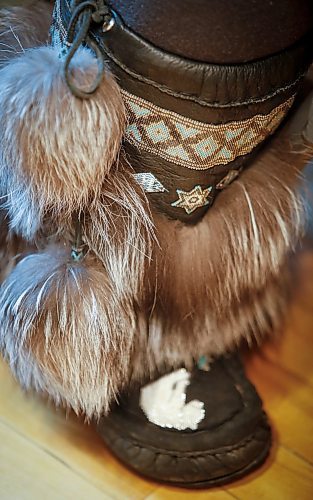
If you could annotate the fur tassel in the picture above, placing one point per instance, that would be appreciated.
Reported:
(69, 329)
(64, 331)
(119, 230)
(57, 149)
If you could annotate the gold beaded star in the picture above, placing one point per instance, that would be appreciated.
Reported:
(191, 200)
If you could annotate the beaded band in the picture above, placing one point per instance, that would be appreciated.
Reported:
(192, 144)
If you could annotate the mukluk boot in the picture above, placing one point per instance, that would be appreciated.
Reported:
(152, 180)
(195, 429)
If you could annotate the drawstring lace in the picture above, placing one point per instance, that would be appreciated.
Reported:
(84, 13)
(78, 250)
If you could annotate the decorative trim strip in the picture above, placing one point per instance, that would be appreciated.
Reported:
(149, 183)
(192, 144)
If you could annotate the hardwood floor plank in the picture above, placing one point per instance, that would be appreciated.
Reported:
(28, 473)
(284, 477)
(304, 275)
(169, 493)
(289, 404)
(76, 444)
(293, 350)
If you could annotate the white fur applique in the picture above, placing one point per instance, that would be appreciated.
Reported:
(164, 402)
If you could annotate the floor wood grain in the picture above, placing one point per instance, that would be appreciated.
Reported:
(45, 454)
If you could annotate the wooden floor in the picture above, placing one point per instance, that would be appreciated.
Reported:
(44, 455)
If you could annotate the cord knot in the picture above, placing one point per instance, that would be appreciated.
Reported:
(84, 14)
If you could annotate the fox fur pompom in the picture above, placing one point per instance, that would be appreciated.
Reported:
(69, 328)
(56, 148)
(65, 331)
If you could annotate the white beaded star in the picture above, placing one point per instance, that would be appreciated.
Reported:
(191, 200)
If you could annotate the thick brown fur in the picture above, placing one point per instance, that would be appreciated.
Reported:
(227, 278)
(224, 279)
(208, 287)
(84, 332)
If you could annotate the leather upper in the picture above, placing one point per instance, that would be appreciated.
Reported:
(208, 85)
(218, 31)
(206, 92)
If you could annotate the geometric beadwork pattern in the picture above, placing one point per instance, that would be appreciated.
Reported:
(192, 144)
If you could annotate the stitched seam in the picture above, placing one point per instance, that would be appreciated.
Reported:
(188, 97)
(157, 451)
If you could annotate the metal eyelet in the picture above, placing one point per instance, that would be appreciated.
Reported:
(108, 24)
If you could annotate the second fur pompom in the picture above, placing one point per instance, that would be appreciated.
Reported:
(65, 330)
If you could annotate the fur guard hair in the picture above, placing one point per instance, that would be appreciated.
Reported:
(208, 287)
(23, 27)
(11, 247)
(51, 158)
(118, 228)
(83, 331)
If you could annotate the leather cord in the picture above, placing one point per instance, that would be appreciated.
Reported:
(83, 15)
(78, 250)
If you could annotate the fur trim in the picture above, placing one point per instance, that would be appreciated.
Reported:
(209, 287)
(83, 332)
(57, 149)
(23, 27)
(226, 279)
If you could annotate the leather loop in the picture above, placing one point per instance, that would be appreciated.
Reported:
(83, 15)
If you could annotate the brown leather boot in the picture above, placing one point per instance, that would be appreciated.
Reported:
(198, 429)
